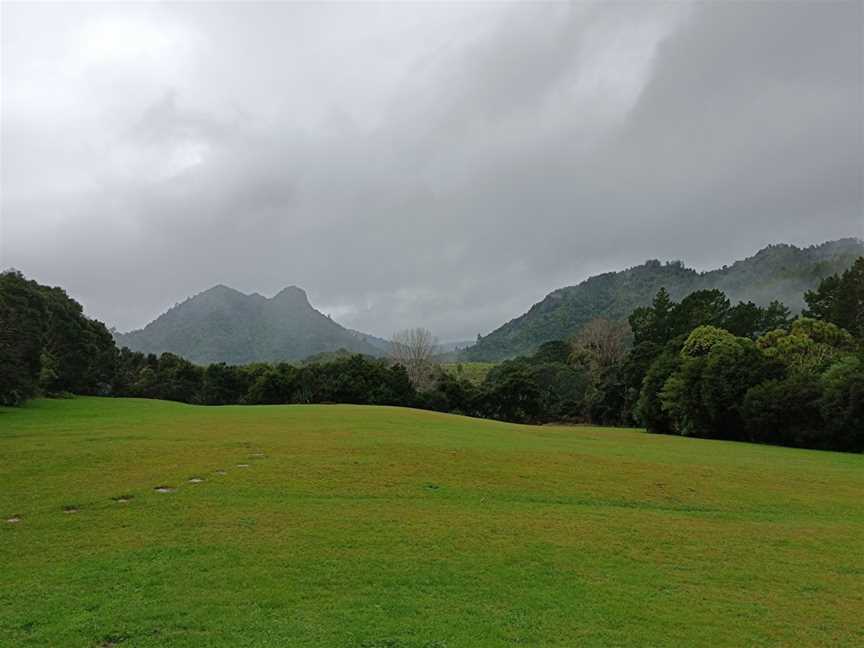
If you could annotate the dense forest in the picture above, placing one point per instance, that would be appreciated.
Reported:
(699, 367)
(777, 272)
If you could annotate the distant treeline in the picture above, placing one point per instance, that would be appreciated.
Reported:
(699, 367)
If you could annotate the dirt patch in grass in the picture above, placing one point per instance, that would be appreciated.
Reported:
(14, 519)
(122, 499)
(242, 465)
(70, 508)
(164, 489)
(195, 480)
(112, 641)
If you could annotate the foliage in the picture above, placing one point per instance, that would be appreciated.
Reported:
(776, 274)
(809, 346)
(353, 379)
(702, 339)
(698, 367)
(700, 373)
(47, 343)
(785, 412)
(839, 299)
(22, 325)
(842, 403)
(649, 408)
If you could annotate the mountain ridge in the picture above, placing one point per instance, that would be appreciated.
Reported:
(776, 272)
(222, 324)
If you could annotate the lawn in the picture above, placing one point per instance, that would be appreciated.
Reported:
(474, 372)
(384, 527)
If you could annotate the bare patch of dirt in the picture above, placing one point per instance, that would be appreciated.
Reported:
(122, 499)
(164, 489)
(242, 465)
(195, 480)
(112, 640)
(15, 519)
(221, 472)
(70, 508)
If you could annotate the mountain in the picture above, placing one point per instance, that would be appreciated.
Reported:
(224, 325)
(782, 272)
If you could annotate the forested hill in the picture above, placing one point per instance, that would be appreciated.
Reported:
(224, 325)
(781, 272)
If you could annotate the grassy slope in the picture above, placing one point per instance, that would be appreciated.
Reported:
(387, 527)
(474, 372)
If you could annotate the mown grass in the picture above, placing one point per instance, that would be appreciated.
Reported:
(385, 527)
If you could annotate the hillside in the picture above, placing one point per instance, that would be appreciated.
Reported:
(224, 325)
(381, 527)
(781, 272)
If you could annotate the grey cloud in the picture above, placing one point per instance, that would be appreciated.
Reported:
(444, 166)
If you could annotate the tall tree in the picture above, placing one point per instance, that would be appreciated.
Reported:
(415, 349)
(22, 325)
(839, 299)
(601, 344)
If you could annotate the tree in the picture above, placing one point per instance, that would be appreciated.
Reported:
(703, 307)
(599, 349)
(703, 397)
(649, 408)
(776, 315)
(22, 317)
(731, 368)
(415, 350)
(48, 372)
(600, 344)
(513, 395)
(71, 341)
(744, 319)
(452, 394)
(784, 412)
(222, 385)
(842, 404)
(702, 339)
(809, 346)
(562, 390)
(553, 351)
(272, 386)
(839, 299)
(654, 323)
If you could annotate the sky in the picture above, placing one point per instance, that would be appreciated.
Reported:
(435, 164)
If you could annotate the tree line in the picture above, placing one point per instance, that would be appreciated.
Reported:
(699, 367)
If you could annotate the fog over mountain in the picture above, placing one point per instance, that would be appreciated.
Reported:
(443, 165)
(224, 325)
(782, 273)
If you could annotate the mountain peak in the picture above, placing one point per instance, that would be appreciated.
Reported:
(778, 272)
(224, 325)
(219, 290)
(293, 294)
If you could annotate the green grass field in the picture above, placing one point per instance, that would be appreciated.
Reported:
(474, 372)
(384, 527)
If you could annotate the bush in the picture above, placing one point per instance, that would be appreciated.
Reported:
(785, 412)
(649, 407)
(842, 404)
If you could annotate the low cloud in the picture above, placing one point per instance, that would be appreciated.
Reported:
(436, 165)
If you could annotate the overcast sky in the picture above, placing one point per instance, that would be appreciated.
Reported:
(443, 165)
